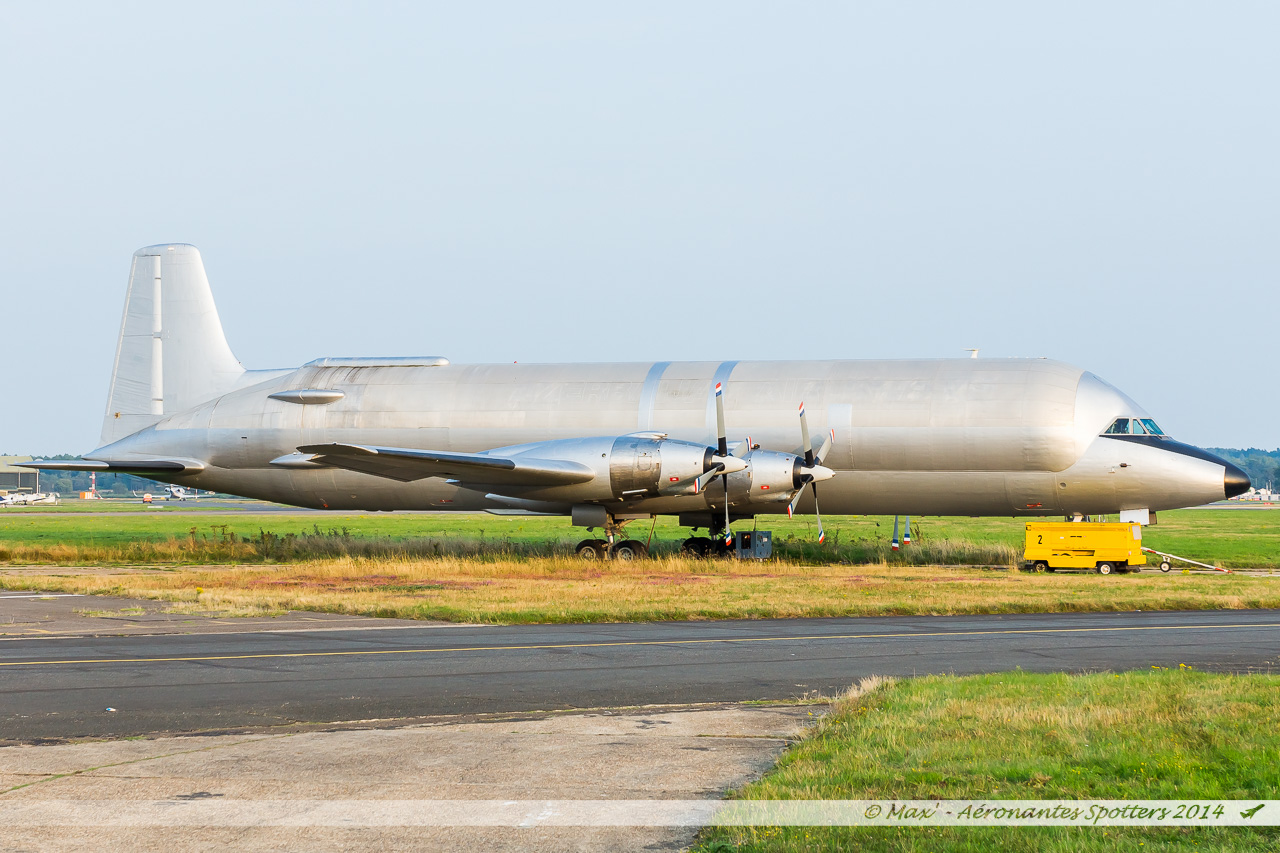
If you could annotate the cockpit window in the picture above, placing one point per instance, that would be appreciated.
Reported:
(1134, 426)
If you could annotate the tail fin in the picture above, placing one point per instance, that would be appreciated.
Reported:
(172, 354)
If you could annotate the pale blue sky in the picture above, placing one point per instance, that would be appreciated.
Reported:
(1093, 182)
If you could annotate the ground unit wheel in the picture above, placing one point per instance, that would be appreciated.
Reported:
(1106, 568)
(696, 546)
(1040, 566)
(590, 549)
(629, 549)
(1165, 566)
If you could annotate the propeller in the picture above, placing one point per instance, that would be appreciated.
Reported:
(812, 472)
(723, 463)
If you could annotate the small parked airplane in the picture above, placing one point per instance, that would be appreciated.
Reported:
(29, 499)
(606, 444)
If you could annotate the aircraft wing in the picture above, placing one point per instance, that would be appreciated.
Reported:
(407, 465)
(141, 467)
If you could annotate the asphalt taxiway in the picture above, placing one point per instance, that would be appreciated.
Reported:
(300, 673)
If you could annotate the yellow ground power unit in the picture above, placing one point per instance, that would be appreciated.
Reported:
(1104, 547)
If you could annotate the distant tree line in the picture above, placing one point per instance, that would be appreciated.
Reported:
(1262, 466)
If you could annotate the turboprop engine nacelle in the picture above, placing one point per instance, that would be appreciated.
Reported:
(653, 464)
(625, 467)
(770, 477)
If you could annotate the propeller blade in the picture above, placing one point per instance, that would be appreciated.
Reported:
(822, 537)
(728, 534)
(804, 436)
(791, 507)
(742, 448)
(701, 483)
(723, 441)
(725, 463)
(826, 446)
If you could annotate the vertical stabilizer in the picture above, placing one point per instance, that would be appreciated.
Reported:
(172, 354)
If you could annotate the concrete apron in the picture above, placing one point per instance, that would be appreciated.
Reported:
(630, 754)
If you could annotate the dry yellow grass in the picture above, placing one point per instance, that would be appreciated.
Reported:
(565, 589)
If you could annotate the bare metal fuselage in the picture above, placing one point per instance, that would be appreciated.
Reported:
(620, 440)
(944, 437)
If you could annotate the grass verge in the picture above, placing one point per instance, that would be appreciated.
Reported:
(565, 589)
(1160, 734)
(1233, 538)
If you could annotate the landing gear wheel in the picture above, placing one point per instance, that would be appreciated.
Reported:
(629, 549)
(590, 549)
(1040, 566)
(1105, 568)
(696, 546)
(1165, 565)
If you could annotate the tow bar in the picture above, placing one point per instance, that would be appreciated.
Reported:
(1165, 558)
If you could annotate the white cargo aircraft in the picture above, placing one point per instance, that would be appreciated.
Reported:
(605, 444)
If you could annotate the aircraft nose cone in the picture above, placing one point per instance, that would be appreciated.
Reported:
(1235, 481)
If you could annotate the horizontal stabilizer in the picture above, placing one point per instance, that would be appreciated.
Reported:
(121, 466)
(407, 465)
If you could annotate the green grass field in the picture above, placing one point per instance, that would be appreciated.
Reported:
(1140, 735)
(483, 568)
(1230, 538)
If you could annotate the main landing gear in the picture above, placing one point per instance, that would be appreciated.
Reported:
(616, 548)
(697, 546)
(592, 549)
(599, 549)
(707, 546)
(612, 548)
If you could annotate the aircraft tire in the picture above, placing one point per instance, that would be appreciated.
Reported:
(590, 549)
(1105, 568)
(696, 546)
(1165, 566)
(628, 550)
